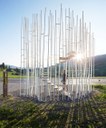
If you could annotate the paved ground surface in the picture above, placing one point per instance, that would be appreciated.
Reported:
(14, 85)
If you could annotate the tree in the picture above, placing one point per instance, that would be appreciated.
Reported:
(2, 66)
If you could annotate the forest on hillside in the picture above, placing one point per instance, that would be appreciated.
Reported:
(99, 70)
(100, 65)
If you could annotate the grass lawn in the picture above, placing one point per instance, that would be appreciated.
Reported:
(10, 75)
(88, 112)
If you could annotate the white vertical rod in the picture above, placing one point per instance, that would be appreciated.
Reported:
(21, 59)
(83, 84)
(30, 89)
(43, 52)
(69, 50)
(24, 58)
(59, 50)
(40, 63)
(36, 54)
(27, 54)
(85, 61)
(80, 65)
(66, 46)
(72, 41)
(55, 66)
(76, 65)
(93, 47)
(48, 56)
(52, 43)
(89, 57)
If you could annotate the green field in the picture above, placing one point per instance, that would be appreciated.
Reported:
(88, 112)
(11, 74)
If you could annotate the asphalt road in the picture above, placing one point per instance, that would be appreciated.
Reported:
(14, 85)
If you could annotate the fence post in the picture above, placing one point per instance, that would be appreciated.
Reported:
(5, 83)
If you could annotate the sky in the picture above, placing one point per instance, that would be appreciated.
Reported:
(12, 12)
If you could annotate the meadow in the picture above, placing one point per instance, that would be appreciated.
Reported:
(86, 112)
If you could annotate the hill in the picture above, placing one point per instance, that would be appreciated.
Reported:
(100, 65)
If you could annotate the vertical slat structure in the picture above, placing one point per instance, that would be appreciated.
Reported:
(56, 42)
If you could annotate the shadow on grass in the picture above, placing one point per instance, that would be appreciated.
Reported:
(86, 112)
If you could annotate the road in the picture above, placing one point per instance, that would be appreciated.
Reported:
(14, 85)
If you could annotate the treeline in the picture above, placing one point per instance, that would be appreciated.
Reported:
(14, 71)
(100, 68)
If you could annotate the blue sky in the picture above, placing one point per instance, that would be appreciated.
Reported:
(12, 11)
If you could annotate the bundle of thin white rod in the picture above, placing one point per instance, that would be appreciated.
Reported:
(56, 42)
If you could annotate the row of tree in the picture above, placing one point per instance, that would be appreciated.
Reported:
(100, 67)
(14, 71)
